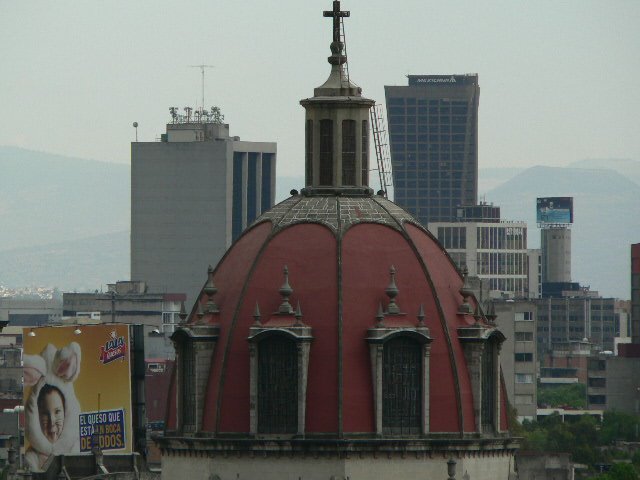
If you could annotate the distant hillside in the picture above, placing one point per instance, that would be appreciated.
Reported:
(82, 265)
(624, 166)
(493, 177)
(607, 213)
(65, 221)
(47, 198)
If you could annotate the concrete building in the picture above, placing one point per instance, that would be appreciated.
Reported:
(29, 312)
(536, 466)
(350, 383)
(534, 272)
(494, 251)
(126, 302)
(614, 383)
(198, 177)
(517, 320)
(566, 363)
(574, 318)
(555, 248)
(433, 135)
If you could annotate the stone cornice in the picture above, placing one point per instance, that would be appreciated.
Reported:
(470, 446)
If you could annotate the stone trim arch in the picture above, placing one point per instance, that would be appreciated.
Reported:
(377, 338)
(299, 334)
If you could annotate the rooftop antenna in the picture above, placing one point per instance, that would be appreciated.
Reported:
(202, 67)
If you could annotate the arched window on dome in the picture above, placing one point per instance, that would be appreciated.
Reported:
(402, 387)
(278, 385)
(194, 347)
(187, 392)
(278, 365)
(400, 370)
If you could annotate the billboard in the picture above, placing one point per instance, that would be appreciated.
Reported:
(77, 391)
(442, 80)
(551, 210)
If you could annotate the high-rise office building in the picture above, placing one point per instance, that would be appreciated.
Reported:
(197, 179)
(433, 135)
(495, 252)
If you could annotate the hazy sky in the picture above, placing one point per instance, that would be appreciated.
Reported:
(558, 78)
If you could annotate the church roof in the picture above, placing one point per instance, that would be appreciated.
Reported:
(342, 270)
(338, 252)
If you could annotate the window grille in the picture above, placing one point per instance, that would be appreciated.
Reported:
(188, 385)
(277, 386)
(401, 387)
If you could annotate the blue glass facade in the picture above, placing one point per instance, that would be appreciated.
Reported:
(252, 188)
(238, 197)
(267, 169)
(433, 139)
(255, 177)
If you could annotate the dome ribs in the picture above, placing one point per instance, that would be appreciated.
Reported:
(441, 314)
(220, 369)
(339, 235)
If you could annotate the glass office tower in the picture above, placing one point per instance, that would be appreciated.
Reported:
(433, 135)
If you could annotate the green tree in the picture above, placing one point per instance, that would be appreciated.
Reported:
(619, 426)
(623, 471)
(573, 395)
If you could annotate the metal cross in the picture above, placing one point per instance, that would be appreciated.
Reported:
(336, 13)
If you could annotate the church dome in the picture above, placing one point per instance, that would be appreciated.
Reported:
(336, 338)
(361, 271)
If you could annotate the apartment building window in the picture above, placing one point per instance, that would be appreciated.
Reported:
(523, 399)
(597, 399)
(524, 336)
(524, 316)
(524, 378)
(524, 357)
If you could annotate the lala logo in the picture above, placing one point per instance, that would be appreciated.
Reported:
(114, 349)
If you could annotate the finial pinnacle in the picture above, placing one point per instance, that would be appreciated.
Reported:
(298, 314)
(380, 316)
(256, 314)
(285, 291)
(392, 292)
(421, 315)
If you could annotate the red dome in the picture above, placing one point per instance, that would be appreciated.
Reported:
(339, 251)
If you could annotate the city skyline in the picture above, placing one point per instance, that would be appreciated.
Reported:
(552, 75)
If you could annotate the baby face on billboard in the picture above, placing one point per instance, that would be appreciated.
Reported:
(51, 408)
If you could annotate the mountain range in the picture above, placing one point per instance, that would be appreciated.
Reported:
(65, 221)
